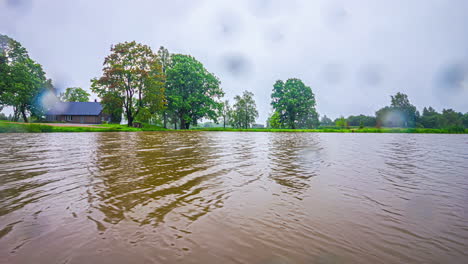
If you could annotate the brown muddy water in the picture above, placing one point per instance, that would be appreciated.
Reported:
(224, 197)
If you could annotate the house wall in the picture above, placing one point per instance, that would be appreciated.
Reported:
(77, 119)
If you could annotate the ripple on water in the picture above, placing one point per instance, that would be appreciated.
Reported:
(233, 197)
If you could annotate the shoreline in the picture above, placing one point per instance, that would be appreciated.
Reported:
(14, 127)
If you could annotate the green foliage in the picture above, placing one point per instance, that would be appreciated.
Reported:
(465, 120)
(274, 121)
(361, 120)
(341, 122)
(75, 94)
(325, 121)
(112, 103)
(295, 104)
(22, 80)
(132, 75)
(244, 111)
(448, 119)
(192, 92)
(401, 113)
(39, 128)
(226, 113)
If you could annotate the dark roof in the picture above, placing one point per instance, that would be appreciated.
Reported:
(75, 108)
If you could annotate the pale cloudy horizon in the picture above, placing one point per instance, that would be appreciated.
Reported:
(353, 54)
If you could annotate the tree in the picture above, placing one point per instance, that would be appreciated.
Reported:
(226, 112)
(22, 80)
(112, 103)
(295, 104)
(465, 120)
(133, 73)
(274, 121)
(368, 121)
(401, 104)
(430, 118)
(450, 118)
(166, 60)
(325, 121)
(244, 110)
(75, 94)
(192, 91)
(401, 113)
(341, 122)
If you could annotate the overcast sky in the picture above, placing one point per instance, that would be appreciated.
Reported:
(353, 54)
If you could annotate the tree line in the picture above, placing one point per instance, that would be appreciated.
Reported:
(177, 91)
(401, 113)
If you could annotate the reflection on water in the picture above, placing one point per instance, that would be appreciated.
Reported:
(212, 197)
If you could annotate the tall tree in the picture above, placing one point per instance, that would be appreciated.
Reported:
(22, 80)
(430, 118)
(134, 73)
(192, 92)
(401, 113)
(75, 94)
(401, 103)
(244, 110)
(166, 61)
(450, 118)
(226, 112)
(295, 104)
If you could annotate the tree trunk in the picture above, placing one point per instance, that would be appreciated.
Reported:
(15, 114)
(182, 123)
(224, 122)
(23, 112)
(164, 119)
(129, 119)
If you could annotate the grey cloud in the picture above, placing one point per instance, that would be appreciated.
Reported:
(371, 74)
(332, 73)
(342, 49)
(236, 65)
(452, 77)
(334, 15)
(23, 5)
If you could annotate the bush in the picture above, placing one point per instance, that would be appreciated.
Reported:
(456, 129)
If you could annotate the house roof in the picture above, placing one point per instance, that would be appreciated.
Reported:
(75, 108)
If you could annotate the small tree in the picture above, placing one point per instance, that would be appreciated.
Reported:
(244, 110)
(341, 122)
(274, 121)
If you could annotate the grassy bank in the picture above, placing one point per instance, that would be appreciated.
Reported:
(344, 130)
(7, 127)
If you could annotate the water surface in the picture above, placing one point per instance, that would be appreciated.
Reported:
(225, 197)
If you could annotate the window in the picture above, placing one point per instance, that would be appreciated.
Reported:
(68, 118)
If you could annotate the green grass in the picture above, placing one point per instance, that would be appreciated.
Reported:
(6, 127)
(344, 130)
(146, 127)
